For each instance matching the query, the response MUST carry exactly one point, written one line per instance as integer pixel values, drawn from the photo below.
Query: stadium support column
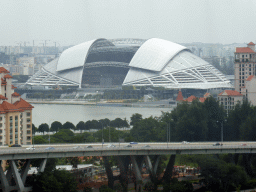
(168, 171)
(109, 172)
(16, 176)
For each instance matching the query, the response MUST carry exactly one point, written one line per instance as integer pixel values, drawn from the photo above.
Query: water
(47, 113)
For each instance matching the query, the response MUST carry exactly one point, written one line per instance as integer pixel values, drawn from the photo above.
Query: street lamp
(221, 135)
(102, 134)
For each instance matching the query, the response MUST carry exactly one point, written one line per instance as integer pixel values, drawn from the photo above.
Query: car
(50, 148)
(217, 144)
(244, 144)
(147, 146)
(185, 142)
(133, 143)
(128, 146)
(89, 146)
(77, 147)
(111, 146)
(15, 145)
(31, 148)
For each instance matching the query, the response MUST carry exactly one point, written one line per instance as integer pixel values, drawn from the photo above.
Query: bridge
(136, 154)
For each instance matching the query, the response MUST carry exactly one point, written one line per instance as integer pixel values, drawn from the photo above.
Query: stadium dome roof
(152, 62)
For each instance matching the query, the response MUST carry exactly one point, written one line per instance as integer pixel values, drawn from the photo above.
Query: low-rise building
(229, 98)
(249, 89)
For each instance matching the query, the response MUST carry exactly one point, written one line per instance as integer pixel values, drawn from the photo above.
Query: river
(47, 113)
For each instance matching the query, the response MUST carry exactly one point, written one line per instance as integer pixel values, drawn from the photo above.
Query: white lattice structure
(154, 62)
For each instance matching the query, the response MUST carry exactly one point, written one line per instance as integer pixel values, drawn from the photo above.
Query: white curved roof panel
(154, 54)
(74, 56)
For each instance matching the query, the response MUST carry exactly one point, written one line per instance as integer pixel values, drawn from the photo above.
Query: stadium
(129, 62)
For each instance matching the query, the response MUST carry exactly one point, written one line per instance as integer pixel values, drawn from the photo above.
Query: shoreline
(72, 102)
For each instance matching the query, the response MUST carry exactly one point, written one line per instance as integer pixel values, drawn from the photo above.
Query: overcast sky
(70, 22)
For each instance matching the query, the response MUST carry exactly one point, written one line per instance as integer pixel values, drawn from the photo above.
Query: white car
(111, 146)
(77, 147)
(185, 142)
(31, 148)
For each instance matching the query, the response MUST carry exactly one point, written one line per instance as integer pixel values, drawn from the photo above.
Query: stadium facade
(134, 62)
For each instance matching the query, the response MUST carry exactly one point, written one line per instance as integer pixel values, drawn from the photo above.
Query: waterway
(47, 113)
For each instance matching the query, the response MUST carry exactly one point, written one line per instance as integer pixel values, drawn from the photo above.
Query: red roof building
(13, 111)
(229, 98)
(179, 97)
(245, 61)
(191, 98)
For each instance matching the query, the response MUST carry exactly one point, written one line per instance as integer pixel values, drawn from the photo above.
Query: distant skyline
(72, 22)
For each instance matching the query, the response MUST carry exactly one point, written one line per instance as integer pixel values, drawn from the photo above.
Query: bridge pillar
(42, 165)
(109, 172)
(123, 162)
(247, 164)
(137, 172)
(168, 171)
(4, 182)
(152, 168)
(25, 169)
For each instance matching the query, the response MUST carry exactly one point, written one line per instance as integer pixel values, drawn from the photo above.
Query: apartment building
(245, 65)
(15, 114)
(229, 98)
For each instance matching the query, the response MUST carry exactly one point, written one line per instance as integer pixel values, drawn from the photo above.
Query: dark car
(217, 144)
(15, 145)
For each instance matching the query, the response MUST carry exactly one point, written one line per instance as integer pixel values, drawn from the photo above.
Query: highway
(97, 149)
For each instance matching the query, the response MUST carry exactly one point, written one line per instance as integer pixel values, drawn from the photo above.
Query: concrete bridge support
(19, 178)
(137, 172)
(109, 172)
(168, 171)
(123, 163)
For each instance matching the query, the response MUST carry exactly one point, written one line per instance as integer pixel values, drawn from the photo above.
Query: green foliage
(56, 126)
(87, 189)
(44, 127)
(80, 125)
(34, 129)
(149, 186)
(118, 122)
(68, 125)
(63, 136)
(105, 188)
(39, 140)
(135, 118)
(56, 181)
(183, 186)
(219, 175)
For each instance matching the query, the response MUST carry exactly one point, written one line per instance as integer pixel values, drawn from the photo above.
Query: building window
(16, 118)
(28, 138)
(10, 118)
(28, 132)
(28, 126)
(1, 118)
(28, 114)
(10, 124)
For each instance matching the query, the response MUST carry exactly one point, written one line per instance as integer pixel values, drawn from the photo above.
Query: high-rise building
(15, 114)
(245, 65)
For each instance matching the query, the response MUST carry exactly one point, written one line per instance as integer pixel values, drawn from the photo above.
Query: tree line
(91, 124)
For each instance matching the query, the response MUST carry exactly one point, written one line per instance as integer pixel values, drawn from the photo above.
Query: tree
(44, 127)
(56, 126)
(118, 122)
(34, 129)
(68, 125)
(39, 140)
(56, 181)
(135, 118)
(80, 125)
